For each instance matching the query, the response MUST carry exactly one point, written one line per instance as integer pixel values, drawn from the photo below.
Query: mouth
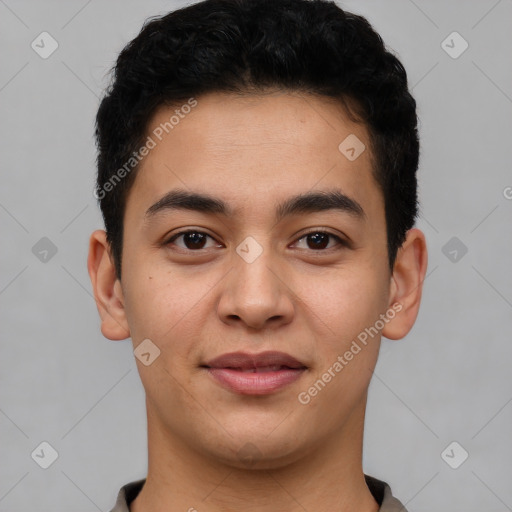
(255, 374)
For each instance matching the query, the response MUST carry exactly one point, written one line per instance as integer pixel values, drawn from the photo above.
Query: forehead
(255, 150)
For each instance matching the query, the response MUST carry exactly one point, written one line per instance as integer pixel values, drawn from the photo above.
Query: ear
(107, 288)
(407, 284)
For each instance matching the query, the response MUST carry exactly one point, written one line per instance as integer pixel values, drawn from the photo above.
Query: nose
(256, 294)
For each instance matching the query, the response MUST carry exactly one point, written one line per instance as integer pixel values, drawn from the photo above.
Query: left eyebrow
(309, 202)
(318, 201)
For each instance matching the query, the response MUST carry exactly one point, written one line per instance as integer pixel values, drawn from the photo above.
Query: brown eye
(319, 240)
(191, 240)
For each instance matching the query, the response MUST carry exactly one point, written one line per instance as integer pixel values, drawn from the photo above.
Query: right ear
(107, 289)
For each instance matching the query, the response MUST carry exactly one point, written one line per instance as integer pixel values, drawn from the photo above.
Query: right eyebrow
(183, 200)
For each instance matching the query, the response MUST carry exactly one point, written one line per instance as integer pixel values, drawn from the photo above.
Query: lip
(255, 374)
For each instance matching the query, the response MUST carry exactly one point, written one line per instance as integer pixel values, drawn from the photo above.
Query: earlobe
(407, 284)
(107, 288)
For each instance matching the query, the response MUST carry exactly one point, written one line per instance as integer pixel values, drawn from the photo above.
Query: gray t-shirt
(379, 489)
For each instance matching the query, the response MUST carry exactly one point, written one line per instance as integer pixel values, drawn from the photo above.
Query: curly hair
(244, 46)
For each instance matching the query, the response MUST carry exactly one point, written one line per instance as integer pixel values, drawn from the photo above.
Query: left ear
(407, 284)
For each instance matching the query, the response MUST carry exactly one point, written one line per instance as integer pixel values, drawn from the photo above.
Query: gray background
(63, 383)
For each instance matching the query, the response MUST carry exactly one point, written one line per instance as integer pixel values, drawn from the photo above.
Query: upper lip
(245, 361)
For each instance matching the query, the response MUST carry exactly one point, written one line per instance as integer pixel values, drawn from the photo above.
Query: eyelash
(340, 241)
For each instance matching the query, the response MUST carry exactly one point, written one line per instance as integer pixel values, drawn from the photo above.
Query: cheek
(163, 306)
(345, 354)
(343, 303)
(166, 309)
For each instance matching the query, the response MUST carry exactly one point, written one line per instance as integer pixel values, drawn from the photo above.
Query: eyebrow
(309, 202)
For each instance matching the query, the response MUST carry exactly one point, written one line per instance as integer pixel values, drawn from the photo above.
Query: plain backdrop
(64, 384)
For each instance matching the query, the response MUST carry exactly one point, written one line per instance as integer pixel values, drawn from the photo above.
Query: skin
(254, 152)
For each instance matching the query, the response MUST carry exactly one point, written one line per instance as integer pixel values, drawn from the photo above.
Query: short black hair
(244, 46)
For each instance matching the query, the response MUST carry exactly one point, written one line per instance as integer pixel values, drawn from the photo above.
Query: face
(253, 273)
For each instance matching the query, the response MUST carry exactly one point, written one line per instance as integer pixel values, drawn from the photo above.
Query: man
(257, 177)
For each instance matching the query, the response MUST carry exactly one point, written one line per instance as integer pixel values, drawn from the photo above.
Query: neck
(327, 477)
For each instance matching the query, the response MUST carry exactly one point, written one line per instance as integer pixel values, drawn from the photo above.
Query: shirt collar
(379, 489)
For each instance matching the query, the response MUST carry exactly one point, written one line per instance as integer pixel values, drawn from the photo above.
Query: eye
(319, 240)
(192, 240)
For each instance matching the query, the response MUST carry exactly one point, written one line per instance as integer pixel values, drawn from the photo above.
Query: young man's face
(254, 281)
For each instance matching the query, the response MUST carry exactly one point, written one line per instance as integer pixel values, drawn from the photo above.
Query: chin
(258, 451)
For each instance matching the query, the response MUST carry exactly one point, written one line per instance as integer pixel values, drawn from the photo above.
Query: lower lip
(262, 383)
